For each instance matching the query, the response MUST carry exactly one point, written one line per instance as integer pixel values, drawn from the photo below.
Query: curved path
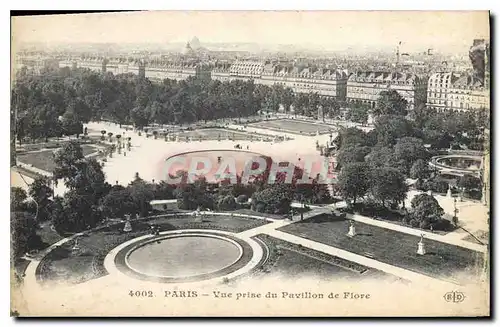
(435, 163)
(109, 261)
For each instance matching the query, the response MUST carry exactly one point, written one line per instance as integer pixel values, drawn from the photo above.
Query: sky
(333, 30)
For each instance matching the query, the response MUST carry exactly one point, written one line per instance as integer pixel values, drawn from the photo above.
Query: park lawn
(226, 223)
(45, 159)
(481, 235)
(395, 248)
(62, 264)
(259, 214)
(294, 126)
(293, 261)
(47, 235)
(392, 216)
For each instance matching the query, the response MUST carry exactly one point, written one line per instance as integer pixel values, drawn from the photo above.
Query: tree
(41, 192)
(388, 185)
(23, 237)
(66, 160)
(354, 181)
(74, 213)
(351, 136)
(141, 193)
(426, 210)
(275, 199)
(468, 183)
(287, 98)
(420, 170)
(18, 197)
(140, 117)
(118, 203)
(384, 156)
(71, 125)
(164, 191)
(89, 180)
(226, 203)
(391, 128)
(357, 114)
(351, 153)
(408, 150)
(390, 103)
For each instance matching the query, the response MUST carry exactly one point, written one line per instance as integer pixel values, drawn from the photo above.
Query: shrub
(474, 194)
(414, 223)
(436, 185)
(259, 206)
(226, 203)
(421, 185)
(243, 198)
(442, 224)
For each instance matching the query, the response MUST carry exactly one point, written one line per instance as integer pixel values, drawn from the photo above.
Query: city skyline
(332, 30)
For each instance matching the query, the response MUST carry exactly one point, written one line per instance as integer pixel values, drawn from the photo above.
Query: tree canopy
(390, 102)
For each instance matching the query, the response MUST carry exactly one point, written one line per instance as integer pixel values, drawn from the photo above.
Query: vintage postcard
(251, 163)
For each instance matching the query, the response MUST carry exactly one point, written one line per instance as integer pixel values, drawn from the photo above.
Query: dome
(188, 51)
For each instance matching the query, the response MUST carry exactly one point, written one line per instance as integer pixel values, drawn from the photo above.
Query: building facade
(155, 71)
(365, 87)
(301, 79)
(456, 92)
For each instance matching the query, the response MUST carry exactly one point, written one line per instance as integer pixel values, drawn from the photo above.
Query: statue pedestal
(128, 227)
(352, 231)
(76, 247)
(421, 248)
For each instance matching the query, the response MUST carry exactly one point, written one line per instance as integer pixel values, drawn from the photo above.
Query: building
(365, 87)
(153, 70)
(97, 64)
(177, 71)
(300, 78)
(36, 64)
(457, 92)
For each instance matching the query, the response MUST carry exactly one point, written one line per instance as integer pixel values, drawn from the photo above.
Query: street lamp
(455, 211)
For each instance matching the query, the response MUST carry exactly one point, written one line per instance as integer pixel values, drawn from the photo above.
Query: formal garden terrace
(299, 127)
(442, 260)
(181, 247)
(65, 264)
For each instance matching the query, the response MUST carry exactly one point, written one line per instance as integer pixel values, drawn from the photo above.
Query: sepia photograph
(250, 164)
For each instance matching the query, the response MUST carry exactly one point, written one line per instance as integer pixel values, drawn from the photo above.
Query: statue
(128, 227)
(421, 245)
(321, 115)
(352, 229)
(76, 246)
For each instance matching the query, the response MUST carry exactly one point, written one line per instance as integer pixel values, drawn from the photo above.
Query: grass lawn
(42, 159)
(294, 126)
(480, 235)
(394, 216)
(399, 249)
(87, 263)
(223, 134)
(295, 261)
(45, 159)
